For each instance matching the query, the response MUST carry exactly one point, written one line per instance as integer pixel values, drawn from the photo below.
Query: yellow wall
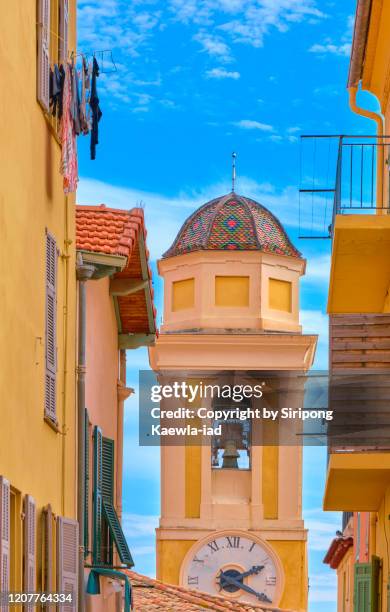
(170, 554)
(293, 557)
(232, 291)
(345, 574)
(33, 457)
(280, 294)
(183, 294)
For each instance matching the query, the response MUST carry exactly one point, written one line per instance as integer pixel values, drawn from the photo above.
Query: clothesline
(97, 52)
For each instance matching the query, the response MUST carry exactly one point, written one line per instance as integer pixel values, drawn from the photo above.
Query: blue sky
(195, 80)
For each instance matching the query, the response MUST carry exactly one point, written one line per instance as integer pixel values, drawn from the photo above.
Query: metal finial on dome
(234, 155)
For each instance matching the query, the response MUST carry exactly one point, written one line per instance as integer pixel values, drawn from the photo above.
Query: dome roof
(232, 223)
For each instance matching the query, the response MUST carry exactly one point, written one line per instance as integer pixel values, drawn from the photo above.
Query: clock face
(235, 565)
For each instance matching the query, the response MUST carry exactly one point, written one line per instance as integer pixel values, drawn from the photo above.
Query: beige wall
(199, 307)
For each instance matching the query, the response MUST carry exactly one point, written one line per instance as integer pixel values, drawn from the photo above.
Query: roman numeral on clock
(271, 580)
(196, 560)
(233, 541)
(213, 545)
(193, 580)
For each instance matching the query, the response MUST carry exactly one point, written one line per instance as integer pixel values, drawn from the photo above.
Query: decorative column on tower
(231, 517)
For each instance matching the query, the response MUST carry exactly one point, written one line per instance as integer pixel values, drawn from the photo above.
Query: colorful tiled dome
(232, 223)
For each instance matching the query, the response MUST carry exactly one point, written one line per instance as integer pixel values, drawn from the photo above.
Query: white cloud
(249, 124)
(318, 269)
(316, 322)
(221, 73)
(293, 130)
(342, 49)
(213, 45)
(138, 525)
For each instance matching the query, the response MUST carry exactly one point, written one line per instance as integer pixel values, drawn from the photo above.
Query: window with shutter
(63, 30)
(67, 560)
(51, 329)
(43, 59)
(366, 586)
(47, 566)
(4, 538)
(97, 496)
(29, 583)
(106, 517)
(86, 486)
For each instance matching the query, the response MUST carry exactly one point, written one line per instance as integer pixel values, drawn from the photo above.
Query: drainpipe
(84, 273)
(380, 166)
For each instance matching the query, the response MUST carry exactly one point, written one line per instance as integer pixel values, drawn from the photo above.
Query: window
(4, 535)
(29, 548)
(366, 585)
(280, 295)
(231, 450)
(67, 560)
(232, 291)
(48, 558)
(86, 485)
(51, 330)
(183, 294)
(107, 529)
(53, 35)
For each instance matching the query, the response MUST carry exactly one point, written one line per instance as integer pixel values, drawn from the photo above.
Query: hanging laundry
(68, 137)
(75, 102)
(85, 85)
(56, 83)
(96, 112)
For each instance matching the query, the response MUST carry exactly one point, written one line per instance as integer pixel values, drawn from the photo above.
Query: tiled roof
(150, 594)
(111, 231)
(232, 223)
(337, 551)
(108, 230)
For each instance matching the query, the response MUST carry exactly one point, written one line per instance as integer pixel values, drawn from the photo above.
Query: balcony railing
(339, 176)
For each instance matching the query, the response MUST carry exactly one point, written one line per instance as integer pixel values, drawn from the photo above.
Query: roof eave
(362, 20)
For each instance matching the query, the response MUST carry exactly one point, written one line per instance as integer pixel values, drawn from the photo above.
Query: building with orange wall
(119, 315)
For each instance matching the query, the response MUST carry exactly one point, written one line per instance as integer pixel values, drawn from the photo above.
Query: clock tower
(231, 515)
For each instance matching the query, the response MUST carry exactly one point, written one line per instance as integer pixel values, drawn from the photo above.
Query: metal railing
(339, 176)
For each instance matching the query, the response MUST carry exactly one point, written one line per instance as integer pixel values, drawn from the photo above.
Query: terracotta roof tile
(150, 594)
(108, 230)
(112, 231)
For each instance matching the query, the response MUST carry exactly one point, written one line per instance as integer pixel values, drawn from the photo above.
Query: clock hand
(256, 569)
(245, 587)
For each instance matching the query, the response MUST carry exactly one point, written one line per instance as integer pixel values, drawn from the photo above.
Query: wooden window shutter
(366, 586)
(86, 486)
(67, 560)
(108, 469)
(29, 584)
(97, 496)
(109, 512)
(64, 30)
(43, 60)
(51, 329)
(4, 538)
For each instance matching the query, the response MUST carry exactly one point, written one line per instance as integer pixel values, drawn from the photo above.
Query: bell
(230, 455)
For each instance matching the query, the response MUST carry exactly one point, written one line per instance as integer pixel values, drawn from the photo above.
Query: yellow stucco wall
(232, 291)
(33, 457)
(280, 294)
(183, 294)
(170, 554)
